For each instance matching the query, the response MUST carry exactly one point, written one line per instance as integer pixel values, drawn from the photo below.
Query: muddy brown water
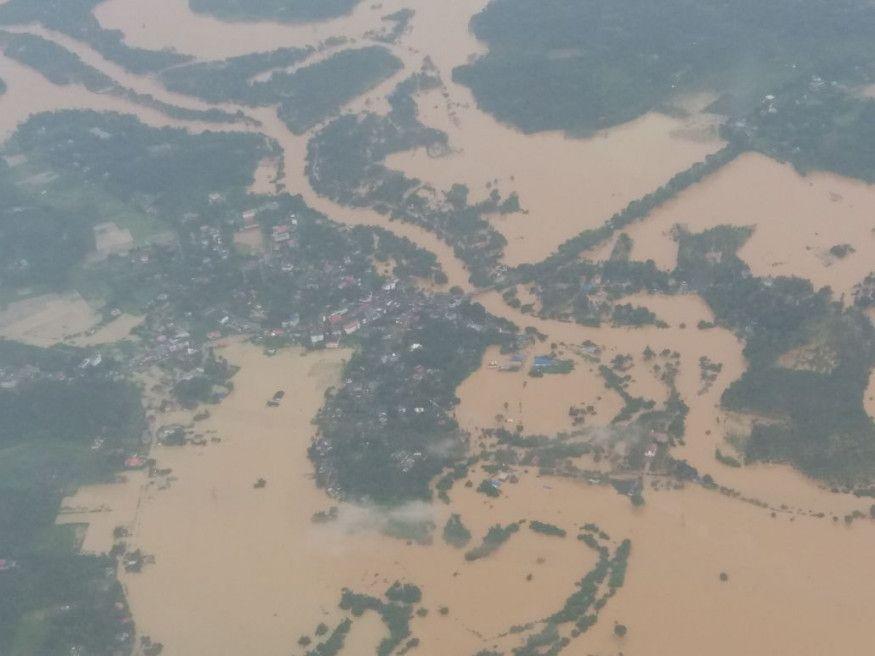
(248, 570)
(796, 220)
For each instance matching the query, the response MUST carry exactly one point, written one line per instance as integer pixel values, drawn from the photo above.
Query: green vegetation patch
(63, 67)
(346, 162)
(495, 537)
(455, 532)
(287, 11)
(311, 94)
(78, 168)
(396, 615)
(374, 442)
(61, 426)
(230, 80)
(75, 18)
(306, 95)
(547, 529)
(635, 315)
(813, 419)
(580, 66)
(814, 124)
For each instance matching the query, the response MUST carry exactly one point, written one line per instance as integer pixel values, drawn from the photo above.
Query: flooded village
(320, 422)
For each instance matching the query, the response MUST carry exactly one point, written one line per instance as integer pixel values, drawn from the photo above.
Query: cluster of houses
(399, 389)
(346, 321)
(12, 378)
(169, 347)
(513, 363)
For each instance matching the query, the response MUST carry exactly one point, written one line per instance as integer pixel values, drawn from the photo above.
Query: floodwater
(161, 24)
(565, 185)
(264, 179)
(707, 425)
(46, 320)
(115, 330)
(50, 319)
(246, 566)
(29, 93)
(796, 219)
(539, 405)
(247, 570)
(781, 596)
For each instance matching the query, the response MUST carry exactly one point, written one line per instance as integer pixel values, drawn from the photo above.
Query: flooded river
(248, 571)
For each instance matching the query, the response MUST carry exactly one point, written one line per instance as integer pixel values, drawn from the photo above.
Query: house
(134, 462)
(91, 362)
(351, 327)
(543, 361)
(280, 234)
(336, 317)
(249, 219)
(316, 339)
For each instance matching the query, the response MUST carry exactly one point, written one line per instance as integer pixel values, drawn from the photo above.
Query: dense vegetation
(580, 66)
(546, 528)
(137, 164)
(62, 67)
(306, 95)
(54, 599)
(75, 19)
(345, 161)
(80, 168)
(38, 244)
(815, 125)
(315, 92)
(293, 11)
(811, 417)
(495, 537)
(64, 423)
(230, 80)
(455, 532)
(390, 430)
